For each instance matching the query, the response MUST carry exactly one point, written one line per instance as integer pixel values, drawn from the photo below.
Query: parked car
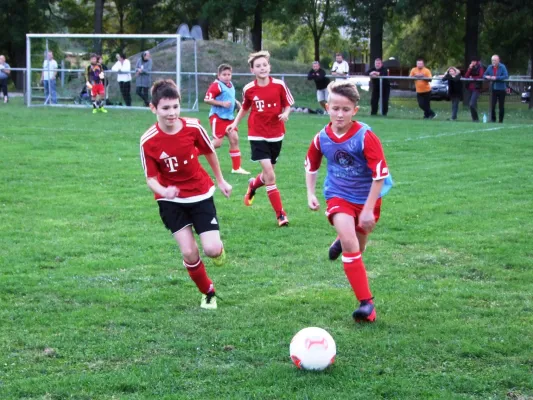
(439, 88)
(526, 95)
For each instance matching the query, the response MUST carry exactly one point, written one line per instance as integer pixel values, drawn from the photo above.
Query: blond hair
(346, 89)
(260, 54)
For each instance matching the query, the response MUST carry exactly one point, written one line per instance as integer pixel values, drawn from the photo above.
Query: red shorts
(97, 89)
(219, 125)
(337, 205)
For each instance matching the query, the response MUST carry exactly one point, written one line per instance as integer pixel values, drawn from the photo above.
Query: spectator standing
(374, 72)
(48, 78)
(143, 79)
(123, 69)
(497, 73)
(318, 75)
(340, 68)
(455, 89)
(423, 88)
(475, 71)
(5, 70)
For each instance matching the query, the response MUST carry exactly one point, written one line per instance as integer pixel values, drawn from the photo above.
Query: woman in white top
(123, 67)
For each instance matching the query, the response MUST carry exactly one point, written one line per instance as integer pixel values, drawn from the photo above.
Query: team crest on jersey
(344, 159)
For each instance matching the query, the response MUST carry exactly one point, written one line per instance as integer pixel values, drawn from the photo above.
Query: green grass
(96, 305)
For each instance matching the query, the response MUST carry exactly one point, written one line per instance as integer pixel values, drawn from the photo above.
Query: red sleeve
(213, 91)
(314, 156)
(150, 165)
(246, 102)
(374, 156)
(202, 141)
(286, 96)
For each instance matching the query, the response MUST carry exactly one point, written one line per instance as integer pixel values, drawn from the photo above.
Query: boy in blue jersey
(221, 96)
(357, 177)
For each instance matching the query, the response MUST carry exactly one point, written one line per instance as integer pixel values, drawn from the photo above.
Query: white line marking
(438, 135)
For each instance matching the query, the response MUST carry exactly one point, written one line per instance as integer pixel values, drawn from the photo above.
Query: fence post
(380, 95)
(490, 104)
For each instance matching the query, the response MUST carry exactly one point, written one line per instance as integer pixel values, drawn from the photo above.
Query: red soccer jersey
(173, 160)
(267, 103)
(372, 151)
(213, 91)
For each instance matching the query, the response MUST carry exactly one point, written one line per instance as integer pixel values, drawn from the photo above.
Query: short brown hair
(260, 54)
(164, 89)
(223, 67)
(346, 89)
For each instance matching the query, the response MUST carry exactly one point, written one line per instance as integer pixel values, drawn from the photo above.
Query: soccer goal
(56, 66)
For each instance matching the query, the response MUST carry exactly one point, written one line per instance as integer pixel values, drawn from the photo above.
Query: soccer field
(95, 303)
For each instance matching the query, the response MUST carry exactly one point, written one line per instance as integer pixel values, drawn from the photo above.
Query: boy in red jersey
(270, 101)
(94, 76)
(221, 96)
(182, 188)
(357, 177)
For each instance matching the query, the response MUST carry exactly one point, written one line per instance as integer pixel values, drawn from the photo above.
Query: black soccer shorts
(201, 215)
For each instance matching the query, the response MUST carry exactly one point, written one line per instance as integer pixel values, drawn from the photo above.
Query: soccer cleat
(335, 250)
(220, 259)
(240, 171)
(95, 110)
(365, 313)
(102, 109)
(209, 301)
(250, 193)
(283, 220)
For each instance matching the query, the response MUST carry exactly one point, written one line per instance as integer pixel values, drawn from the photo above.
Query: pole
(28, 71)
(196, 106)
(49, 76)
(380, 95)
(178, 61)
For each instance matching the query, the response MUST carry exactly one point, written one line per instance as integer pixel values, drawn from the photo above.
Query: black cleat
(365, 313)
(335, 250)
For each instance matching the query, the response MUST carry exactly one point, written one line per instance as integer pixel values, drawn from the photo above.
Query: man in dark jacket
(475, 71)
(379, 70)
(318, 75)
(455, 89)
(497, 73)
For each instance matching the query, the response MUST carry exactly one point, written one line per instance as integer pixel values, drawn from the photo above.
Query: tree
(18, 18)
(316, 17)
(98, 23)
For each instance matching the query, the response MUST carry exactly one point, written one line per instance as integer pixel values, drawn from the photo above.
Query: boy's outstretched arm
(238, 118)
(169, 192)
(366, 218)
(310, 183)
(224, 186)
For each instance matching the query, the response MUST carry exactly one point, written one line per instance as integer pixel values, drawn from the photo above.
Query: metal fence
(193, 86)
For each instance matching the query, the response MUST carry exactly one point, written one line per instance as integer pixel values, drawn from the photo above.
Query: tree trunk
(257, 29)
(316, 39)
(473, 13)
(204, 24)
(377, 19)
(531, 74)
(98, 23)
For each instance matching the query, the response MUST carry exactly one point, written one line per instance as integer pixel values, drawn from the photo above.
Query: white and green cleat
(209, 301)
(221, 259)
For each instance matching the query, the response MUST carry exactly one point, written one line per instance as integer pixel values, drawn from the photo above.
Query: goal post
(73, 52)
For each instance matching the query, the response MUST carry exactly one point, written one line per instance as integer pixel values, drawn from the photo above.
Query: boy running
(270, 101)
(94, 77)
(221, 96)
(183, 189)
(357, 177)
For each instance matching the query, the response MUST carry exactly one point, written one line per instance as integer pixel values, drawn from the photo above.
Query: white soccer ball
(313, 349)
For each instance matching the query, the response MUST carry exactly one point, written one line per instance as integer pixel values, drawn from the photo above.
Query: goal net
(56, 66)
